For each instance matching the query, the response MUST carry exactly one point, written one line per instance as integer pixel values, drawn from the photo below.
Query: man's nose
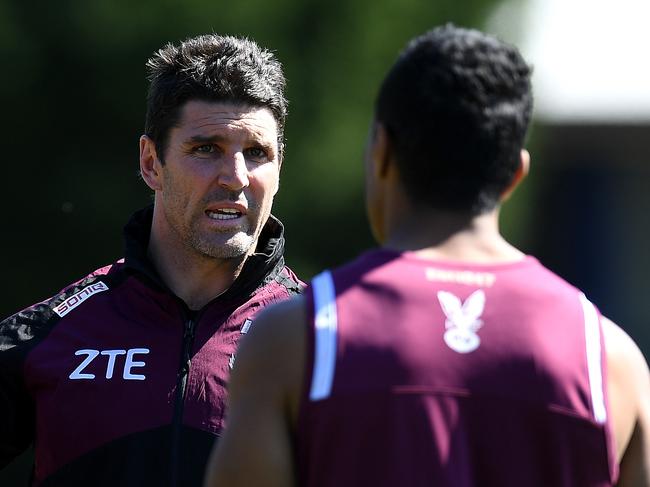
(233, 173)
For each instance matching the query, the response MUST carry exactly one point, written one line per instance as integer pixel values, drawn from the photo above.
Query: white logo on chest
(127, 368)
(462, 320)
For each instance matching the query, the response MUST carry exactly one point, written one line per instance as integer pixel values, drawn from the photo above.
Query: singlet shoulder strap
(325, 327)
(594, 359)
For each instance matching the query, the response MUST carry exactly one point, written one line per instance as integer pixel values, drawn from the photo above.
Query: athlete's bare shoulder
(628, 383)
(285, 317)
(277, 334)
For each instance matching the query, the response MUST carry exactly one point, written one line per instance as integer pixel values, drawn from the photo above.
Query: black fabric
(138, 460)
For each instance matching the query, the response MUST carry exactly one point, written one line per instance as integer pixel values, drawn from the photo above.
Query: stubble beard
(237, 246)
(222, 245)
(227, 245)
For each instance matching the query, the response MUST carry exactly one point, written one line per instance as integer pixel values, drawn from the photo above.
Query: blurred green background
(73, 98)
(72, 94)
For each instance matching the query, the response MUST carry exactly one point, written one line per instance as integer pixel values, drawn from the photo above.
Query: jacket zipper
(179, 400)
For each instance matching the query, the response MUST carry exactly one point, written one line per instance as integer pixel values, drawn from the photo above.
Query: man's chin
(237, 247)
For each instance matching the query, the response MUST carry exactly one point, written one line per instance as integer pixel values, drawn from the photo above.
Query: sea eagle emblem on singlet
(462, 320)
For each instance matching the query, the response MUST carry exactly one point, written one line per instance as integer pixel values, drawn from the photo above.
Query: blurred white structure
(591, 57)
(588, 217)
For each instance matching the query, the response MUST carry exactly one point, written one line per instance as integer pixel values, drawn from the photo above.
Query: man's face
(220, 173)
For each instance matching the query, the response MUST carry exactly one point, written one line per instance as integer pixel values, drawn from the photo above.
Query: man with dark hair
(446, 357)
(120, 379)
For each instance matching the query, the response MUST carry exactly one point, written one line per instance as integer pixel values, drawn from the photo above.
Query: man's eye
(205, 149)
(256, 152)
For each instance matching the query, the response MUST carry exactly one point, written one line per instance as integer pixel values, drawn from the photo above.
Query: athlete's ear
(520, 174)
(150, 164)
(381, 150)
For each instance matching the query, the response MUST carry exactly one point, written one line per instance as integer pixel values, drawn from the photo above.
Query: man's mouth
(224, 214)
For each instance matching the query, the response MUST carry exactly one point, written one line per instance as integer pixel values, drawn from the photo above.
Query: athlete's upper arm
(264, 391)
(629, 398)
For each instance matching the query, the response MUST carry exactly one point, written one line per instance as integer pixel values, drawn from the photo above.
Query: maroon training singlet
(429, 373)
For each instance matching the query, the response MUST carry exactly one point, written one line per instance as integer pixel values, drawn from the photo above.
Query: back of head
(456, 106)
(212, 68)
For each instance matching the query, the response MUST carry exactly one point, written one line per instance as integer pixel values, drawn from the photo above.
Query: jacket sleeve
(16, 404)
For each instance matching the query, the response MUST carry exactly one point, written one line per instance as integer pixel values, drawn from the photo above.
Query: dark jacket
(116, 381)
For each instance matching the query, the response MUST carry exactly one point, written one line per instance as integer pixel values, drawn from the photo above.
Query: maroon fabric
(117, 381)
(407, 409)
(73, 417)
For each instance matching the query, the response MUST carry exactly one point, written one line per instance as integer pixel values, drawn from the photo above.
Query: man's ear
(520, 174)
(150, 164)
(381, 151)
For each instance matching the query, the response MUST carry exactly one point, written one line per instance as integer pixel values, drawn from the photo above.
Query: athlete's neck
(455, 236)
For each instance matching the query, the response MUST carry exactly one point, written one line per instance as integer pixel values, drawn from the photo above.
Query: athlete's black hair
(456, 105)
(211, 68)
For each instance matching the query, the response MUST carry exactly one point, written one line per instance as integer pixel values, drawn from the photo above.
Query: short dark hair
(456, 105)
(211, 68)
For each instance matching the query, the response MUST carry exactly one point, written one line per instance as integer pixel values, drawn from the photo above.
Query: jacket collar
(260, 268)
